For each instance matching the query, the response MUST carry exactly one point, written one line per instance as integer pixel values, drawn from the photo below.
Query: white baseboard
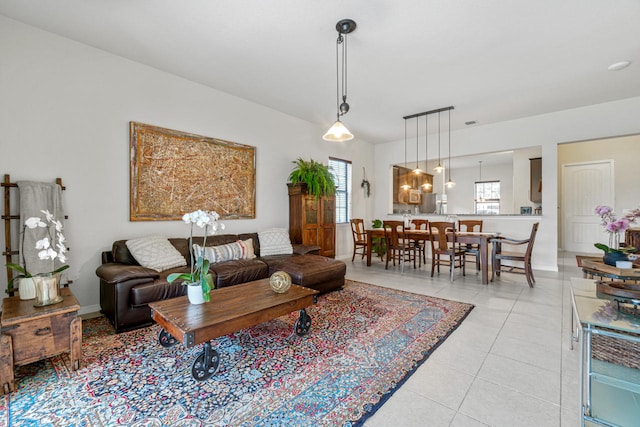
(95, 308)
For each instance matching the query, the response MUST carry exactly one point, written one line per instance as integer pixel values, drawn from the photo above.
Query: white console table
(610, 393)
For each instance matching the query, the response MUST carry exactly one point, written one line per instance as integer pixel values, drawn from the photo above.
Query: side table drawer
(37, 339)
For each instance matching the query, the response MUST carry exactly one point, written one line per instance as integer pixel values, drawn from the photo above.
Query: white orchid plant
(200, 268)
(50, 247)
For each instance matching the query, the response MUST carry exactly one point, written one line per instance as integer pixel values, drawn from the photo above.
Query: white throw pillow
(155, 252)
(275, 241)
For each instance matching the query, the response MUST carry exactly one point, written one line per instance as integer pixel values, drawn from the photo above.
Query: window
(487, 197)
(341, 170)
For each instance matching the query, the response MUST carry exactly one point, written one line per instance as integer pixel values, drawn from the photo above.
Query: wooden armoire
(312, 221)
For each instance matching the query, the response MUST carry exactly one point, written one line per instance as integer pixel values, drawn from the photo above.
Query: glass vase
(614, 240)
(47, 289)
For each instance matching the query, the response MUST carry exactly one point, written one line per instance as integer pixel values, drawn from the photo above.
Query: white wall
(547, 130)
(65, 110)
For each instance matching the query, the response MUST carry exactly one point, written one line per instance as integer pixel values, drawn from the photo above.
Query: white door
(585, 186)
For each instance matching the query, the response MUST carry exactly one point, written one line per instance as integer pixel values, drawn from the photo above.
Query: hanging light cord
(439, 158)
(417, 143)
(449, 145)
(338, 75)
(405, 143)
(344, 69)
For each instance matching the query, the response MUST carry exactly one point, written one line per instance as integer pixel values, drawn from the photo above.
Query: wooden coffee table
(231, 309)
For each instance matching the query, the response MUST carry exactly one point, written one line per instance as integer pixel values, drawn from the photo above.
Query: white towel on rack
(34, 198)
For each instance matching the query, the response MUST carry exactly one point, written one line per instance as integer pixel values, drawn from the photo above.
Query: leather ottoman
(311, 271)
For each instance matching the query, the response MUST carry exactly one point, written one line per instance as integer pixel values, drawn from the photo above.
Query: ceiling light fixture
(406, 185)
(450, 183)
(479, 197)
(426, 184)
(439, 168)
(417, 170)
(619, 65)
(338, 132)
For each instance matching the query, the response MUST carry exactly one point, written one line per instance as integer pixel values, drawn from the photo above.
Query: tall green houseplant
(317, 176)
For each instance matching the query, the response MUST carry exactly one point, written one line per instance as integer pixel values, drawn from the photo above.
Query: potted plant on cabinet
(315, 175)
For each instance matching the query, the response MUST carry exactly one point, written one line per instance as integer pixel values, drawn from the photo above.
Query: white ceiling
(493, 60)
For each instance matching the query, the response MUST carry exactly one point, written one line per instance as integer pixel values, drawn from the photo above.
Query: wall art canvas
(173, 172)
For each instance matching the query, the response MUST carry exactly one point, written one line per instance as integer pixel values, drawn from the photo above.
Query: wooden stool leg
(6, 364)
(76, 343)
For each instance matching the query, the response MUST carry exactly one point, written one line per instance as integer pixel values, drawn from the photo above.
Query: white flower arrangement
(200, 268)
(51, 247)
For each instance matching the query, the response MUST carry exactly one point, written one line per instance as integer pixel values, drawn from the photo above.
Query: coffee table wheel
(206, 364)
(165, 339)
(303, 324)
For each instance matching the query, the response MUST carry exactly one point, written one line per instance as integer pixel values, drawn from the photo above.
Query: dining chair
(471, 249)
(421, 245)
(498, 255)
(359, 237)
(443, 251)
(398, 248)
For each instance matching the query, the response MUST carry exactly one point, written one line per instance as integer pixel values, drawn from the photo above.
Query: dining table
(467, 237)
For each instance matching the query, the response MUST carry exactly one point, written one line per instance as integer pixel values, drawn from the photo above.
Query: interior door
(585, 186)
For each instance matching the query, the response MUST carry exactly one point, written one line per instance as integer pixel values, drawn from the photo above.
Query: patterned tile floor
(509, 363)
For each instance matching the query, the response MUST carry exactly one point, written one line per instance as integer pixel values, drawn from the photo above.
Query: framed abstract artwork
(173, 172)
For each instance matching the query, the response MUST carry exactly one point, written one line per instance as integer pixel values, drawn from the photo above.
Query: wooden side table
(596, 269)
(33, 333)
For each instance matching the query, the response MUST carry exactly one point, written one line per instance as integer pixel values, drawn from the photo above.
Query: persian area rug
(364, 342)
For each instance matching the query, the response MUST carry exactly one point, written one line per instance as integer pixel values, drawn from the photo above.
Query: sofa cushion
(248, 252)
(275, 241)
(160, 289)
(238, 271)
(220, 253)
(155, 252)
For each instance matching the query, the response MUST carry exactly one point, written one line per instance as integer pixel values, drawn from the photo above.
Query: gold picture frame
(414, 197)
(174, 172)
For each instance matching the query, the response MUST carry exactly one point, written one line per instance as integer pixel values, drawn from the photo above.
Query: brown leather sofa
(126, 288)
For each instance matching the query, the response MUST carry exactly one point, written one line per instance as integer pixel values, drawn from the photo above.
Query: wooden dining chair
(398, 248)
(471, 249)
(498, 255)
(443, 251)
(421, 245)
(359, 237)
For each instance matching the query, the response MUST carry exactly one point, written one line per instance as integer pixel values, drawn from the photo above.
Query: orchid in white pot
(199, 265)
(50, 247)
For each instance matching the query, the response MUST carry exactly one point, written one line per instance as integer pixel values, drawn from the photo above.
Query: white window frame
(341, 170)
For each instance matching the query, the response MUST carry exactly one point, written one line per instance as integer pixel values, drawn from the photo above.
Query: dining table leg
(369, 247)
(484, 261)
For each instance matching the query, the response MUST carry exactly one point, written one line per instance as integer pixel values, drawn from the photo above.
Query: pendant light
(406, 185)
(480, 198)
(426, 184)
(417, 170)
(450, 183)
(439, 168)
(338, 132)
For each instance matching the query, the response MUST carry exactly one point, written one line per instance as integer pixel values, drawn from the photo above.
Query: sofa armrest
(300, 249)
(114, 272)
